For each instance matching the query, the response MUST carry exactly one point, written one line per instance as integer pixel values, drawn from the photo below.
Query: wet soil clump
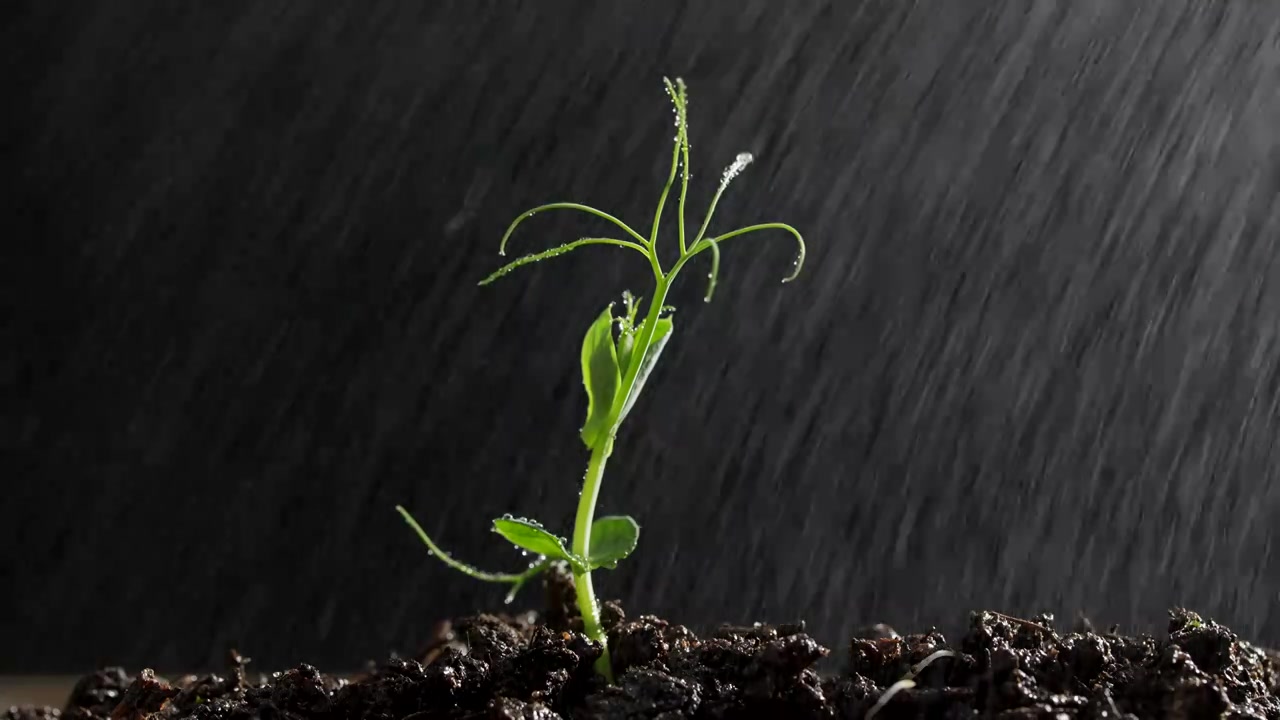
(531, 667)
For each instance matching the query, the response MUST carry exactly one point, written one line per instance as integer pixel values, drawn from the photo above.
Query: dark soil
(513, 667)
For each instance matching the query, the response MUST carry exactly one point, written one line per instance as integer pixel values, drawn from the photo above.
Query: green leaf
(531, 536)
(612, 539)
(661, 334)
(601, 378)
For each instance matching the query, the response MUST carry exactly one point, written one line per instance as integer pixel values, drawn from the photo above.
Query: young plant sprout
(614, 369)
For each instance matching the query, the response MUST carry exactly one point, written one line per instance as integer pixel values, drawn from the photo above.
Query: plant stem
(583, 588)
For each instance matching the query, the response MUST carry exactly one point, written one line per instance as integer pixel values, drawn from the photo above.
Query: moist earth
(530, 667)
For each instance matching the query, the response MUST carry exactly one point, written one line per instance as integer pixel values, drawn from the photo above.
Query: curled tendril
(502, 246)
(797, 264)
(715, 270)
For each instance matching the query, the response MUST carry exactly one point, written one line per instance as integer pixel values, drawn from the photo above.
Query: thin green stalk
(671, 177)
(583, 588)
(515, 580)
(683, 143)
(449, 560)
(662, 200)
(706, 220)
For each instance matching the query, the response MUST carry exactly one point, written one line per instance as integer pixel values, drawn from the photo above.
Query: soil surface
(534, 667)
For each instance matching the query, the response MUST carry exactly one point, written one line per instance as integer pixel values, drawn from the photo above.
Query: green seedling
(907, 682)
(619, 353)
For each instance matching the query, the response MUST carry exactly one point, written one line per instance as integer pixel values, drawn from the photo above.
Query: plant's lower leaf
(612, 539)
(529, 535)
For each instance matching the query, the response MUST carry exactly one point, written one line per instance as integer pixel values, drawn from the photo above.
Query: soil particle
(644, 693)
(97, 694)
(511, 709)
(513, 667)
(144, 697)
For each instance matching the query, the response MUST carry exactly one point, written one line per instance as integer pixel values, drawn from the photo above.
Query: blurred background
(1031, 364)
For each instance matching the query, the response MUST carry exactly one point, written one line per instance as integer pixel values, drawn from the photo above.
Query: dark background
(1031, 364)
